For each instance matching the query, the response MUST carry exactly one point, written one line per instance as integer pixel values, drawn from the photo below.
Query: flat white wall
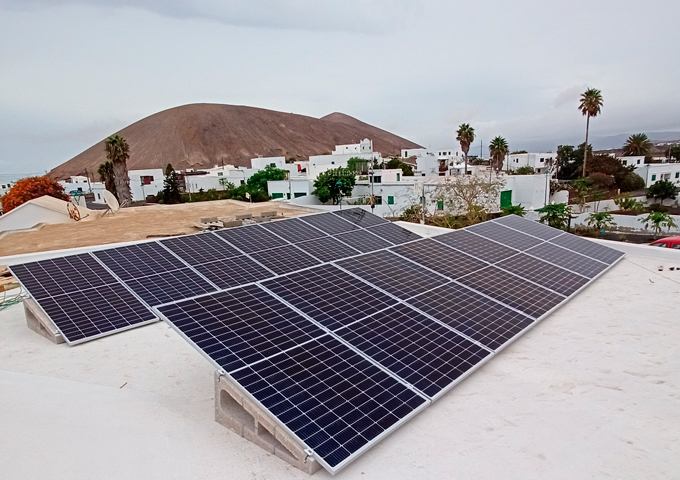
(140, 192)
(261, 163)
(528, 190)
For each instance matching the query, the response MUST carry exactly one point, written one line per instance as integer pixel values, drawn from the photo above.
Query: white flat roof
(591, 392)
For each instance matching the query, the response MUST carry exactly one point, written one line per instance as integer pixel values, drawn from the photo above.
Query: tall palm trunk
(585, 147)
(465, 152)
(122, 181)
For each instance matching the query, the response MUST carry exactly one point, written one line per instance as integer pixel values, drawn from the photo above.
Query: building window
(405, 154)
(299, 194)
(390, 200)
(378, 200)
(219, 174)
(625, 162)
(653, 177)
(272, 165)
(398, 177)
(440, 204)
(243, 182)
(147, 179)
(677, 174)
(638, 162)
(542, 160)
(277, 195)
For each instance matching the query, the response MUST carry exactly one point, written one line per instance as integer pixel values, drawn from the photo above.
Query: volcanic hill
(204, 135)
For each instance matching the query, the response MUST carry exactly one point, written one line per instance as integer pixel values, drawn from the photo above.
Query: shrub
(657, 207)
(29, 188)
(601, 220)
(513, 210)
(628, 204)
(601, 180)
(631, 181)
(526, 170)
(555, 215)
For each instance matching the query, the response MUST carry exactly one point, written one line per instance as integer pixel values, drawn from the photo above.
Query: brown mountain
(203, 135)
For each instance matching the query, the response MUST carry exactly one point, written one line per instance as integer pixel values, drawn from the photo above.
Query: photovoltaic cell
(393, 274)
(327, 249)
(417, 349)
(361, 217)
(234, 271)
(140, 260)
(253, 238)
(94, 312)
(294, 230)
(529, 227)
(394, 233)
(472, 314)
(567, 259)
(330, 397)
(286, 259)
(241, 326)
(440, 258)
(329, 223)
(588, 248)
(363, 241)
(545, 274)
(476, 246)
(48, 278)
(169, 286)
(512, 290)
(505, 236)
(328, 295)
(200, 248)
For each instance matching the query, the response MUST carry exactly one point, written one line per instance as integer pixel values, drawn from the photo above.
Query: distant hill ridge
(203, 135)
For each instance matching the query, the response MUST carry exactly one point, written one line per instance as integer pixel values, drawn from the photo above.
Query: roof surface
(591, 392)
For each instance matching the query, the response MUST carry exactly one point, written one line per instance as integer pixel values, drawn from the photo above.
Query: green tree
(637, 144)
(498, 148)
(358, 165)
(581, 187)
(334, 184)
(513, 210)
(171, 192)
(555, 215)
(569, 161)
(601, 220)
(525, 170)
(659, 220)
(590, 106)
(105, 172)
(118, 153)
(466, 136)
(406, 169)
(673, 153)
(257, 183)
(628, 204)
(661, 190)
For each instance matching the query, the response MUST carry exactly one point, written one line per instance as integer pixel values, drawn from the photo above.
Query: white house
(440, 162)
(653, 172)
(537, 161)
(145, 182)
(364, 146)
(5, 187)
(635, 161)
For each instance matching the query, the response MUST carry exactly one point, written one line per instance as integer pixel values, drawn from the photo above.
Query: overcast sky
(74, 71)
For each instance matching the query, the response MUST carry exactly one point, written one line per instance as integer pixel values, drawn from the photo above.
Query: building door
(506, 198)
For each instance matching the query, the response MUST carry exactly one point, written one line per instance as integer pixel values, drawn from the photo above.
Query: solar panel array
(342, 325)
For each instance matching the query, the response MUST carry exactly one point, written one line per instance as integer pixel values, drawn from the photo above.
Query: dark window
(147, 179)
(378, 200)
(390, 200)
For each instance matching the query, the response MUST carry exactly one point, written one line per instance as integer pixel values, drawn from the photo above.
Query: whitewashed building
(538, 161)
(653, 172)
(637, 161)
(440, 162)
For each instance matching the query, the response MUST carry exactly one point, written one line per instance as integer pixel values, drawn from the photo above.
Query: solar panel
(588, 248)
(440, 258)
(293, 229)
(393, 274)
(286, 259)
(48, 278)
(567, 259)
(476, 246)
(140, 260)
(504, 235)
(234, 271)
(361, 217)
(363, 240)
(329, 223)
(200, 248)
(393, 233)
(81, 297)
(487, 321)
(169, 286)
(239, 327)
(331, 398)
(328, 295)
(92, 313)
(529, 227)
(419, 350)
(327, 249)
(253, 238)
(549, 276)
(513, 291)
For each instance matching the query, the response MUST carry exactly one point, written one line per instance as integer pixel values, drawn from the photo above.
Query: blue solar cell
(200, 248)
(140, 260)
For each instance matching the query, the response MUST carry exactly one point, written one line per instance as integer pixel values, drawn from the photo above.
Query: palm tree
(106, 175)
(118, 152)
(637, 144)
(498, 148)
(590, 106)
(465, 135)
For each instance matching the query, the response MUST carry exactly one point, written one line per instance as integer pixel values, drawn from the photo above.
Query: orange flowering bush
(30, 188)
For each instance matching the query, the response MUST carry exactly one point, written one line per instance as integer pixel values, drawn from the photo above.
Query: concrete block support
(239, 414)
(40, 323)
